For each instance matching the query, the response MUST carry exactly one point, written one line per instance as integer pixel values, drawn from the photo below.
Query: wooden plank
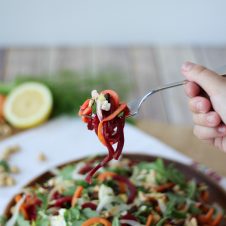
(213, 58)
(146, 76)
(27, 61)
(2, 63)
(169, 61)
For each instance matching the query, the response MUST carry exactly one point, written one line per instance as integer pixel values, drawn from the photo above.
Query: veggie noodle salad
(104, 114)
(124, 193)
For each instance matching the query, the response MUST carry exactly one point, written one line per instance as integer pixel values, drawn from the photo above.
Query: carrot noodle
(76, 195)
(207, 217)
(149, 220)
(96, 220)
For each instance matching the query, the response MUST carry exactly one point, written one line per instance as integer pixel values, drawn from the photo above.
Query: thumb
(208, 80)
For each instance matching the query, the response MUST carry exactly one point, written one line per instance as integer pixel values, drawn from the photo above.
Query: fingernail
(210, 118)
(187, 66)
(221, 129)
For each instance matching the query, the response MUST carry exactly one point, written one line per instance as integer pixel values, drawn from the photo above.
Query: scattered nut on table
(9, 151)
(42, 157)
(6, 171)
(5, 130)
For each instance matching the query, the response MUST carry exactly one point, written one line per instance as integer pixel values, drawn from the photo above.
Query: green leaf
(66, 172)
(22, 222)
(194, 210)
(83, 183)
(116, 222)
(191, 189)
(72, 215)
(42, 222)
(119, 170)
(5, 165)
(88, 213)
(70, 191)
(44, 199)
(175, 176)
(178, 199)
(171, 211)
(161, 222)
(77, 223)
(2, 220)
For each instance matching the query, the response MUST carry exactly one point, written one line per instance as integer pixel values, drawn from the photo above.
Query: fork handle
(174, 84)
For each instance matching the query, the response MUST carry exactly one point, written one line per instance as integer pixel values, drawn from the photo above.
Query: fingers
(192, 89)
(199, 104)
(210, 119)
(210, 81)
(205, 133)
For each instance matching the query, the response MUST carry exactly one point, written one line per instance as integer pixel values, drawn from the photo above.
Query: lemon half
(28, 105)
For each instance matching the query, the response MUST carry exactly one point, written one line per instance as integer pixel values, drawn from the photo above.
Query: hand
(207, 92)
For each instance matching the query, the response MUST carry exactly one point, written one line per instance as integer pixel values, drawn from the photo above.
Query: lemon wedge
(28, 105)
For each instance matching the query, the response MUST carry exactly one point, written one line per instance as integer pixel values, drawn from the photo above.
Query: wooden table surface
(182, 139)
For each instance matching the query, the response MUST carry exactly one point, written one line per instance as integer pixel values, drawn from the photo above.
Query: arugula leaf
(2, 220)
(175, 176)
(83, 183)
(171, 211)
(116, 222)
(41, 221)
(66, 172)
(191, 189)
(164, 174)
(21, 221)
(5, 165)
(161, 222)
(88, 213)
(70, 191)
(120, 171)
(72, 215)
(178, 199)
(194, 210)
(44, 199)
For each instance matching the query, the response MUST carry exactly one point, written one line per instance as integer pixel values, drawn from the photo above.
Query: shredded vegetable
(74, 202)
(104, 114)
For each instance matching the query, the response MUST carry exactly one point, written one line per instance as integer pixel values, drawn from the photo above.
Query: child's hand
(207, 92)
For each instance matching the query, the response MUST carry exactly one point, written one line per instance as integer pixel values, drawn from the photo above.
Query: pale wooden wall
(146, 66)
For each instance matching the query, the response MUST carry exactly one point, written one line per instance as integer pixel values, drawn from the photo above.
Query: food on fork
(105, 114)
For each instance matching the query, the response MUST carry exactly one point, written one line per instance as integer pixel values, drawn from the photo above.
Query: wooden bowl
(217, 194)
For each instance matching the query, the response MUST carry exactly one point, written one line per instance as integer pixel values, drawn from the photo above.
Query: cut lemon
(28, 105)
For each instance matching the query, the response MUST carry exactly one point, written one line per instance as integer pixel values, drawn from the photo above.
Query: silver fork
(135, 105)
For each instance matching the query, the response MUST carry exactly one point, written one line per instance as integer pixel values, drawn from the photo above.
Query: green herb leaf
(5, 165)
(66, 172)
(161, 222)
(88, 213)
(41, 221)
(2, 220)
(191, 189)
(22, 222)
(116, 222)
